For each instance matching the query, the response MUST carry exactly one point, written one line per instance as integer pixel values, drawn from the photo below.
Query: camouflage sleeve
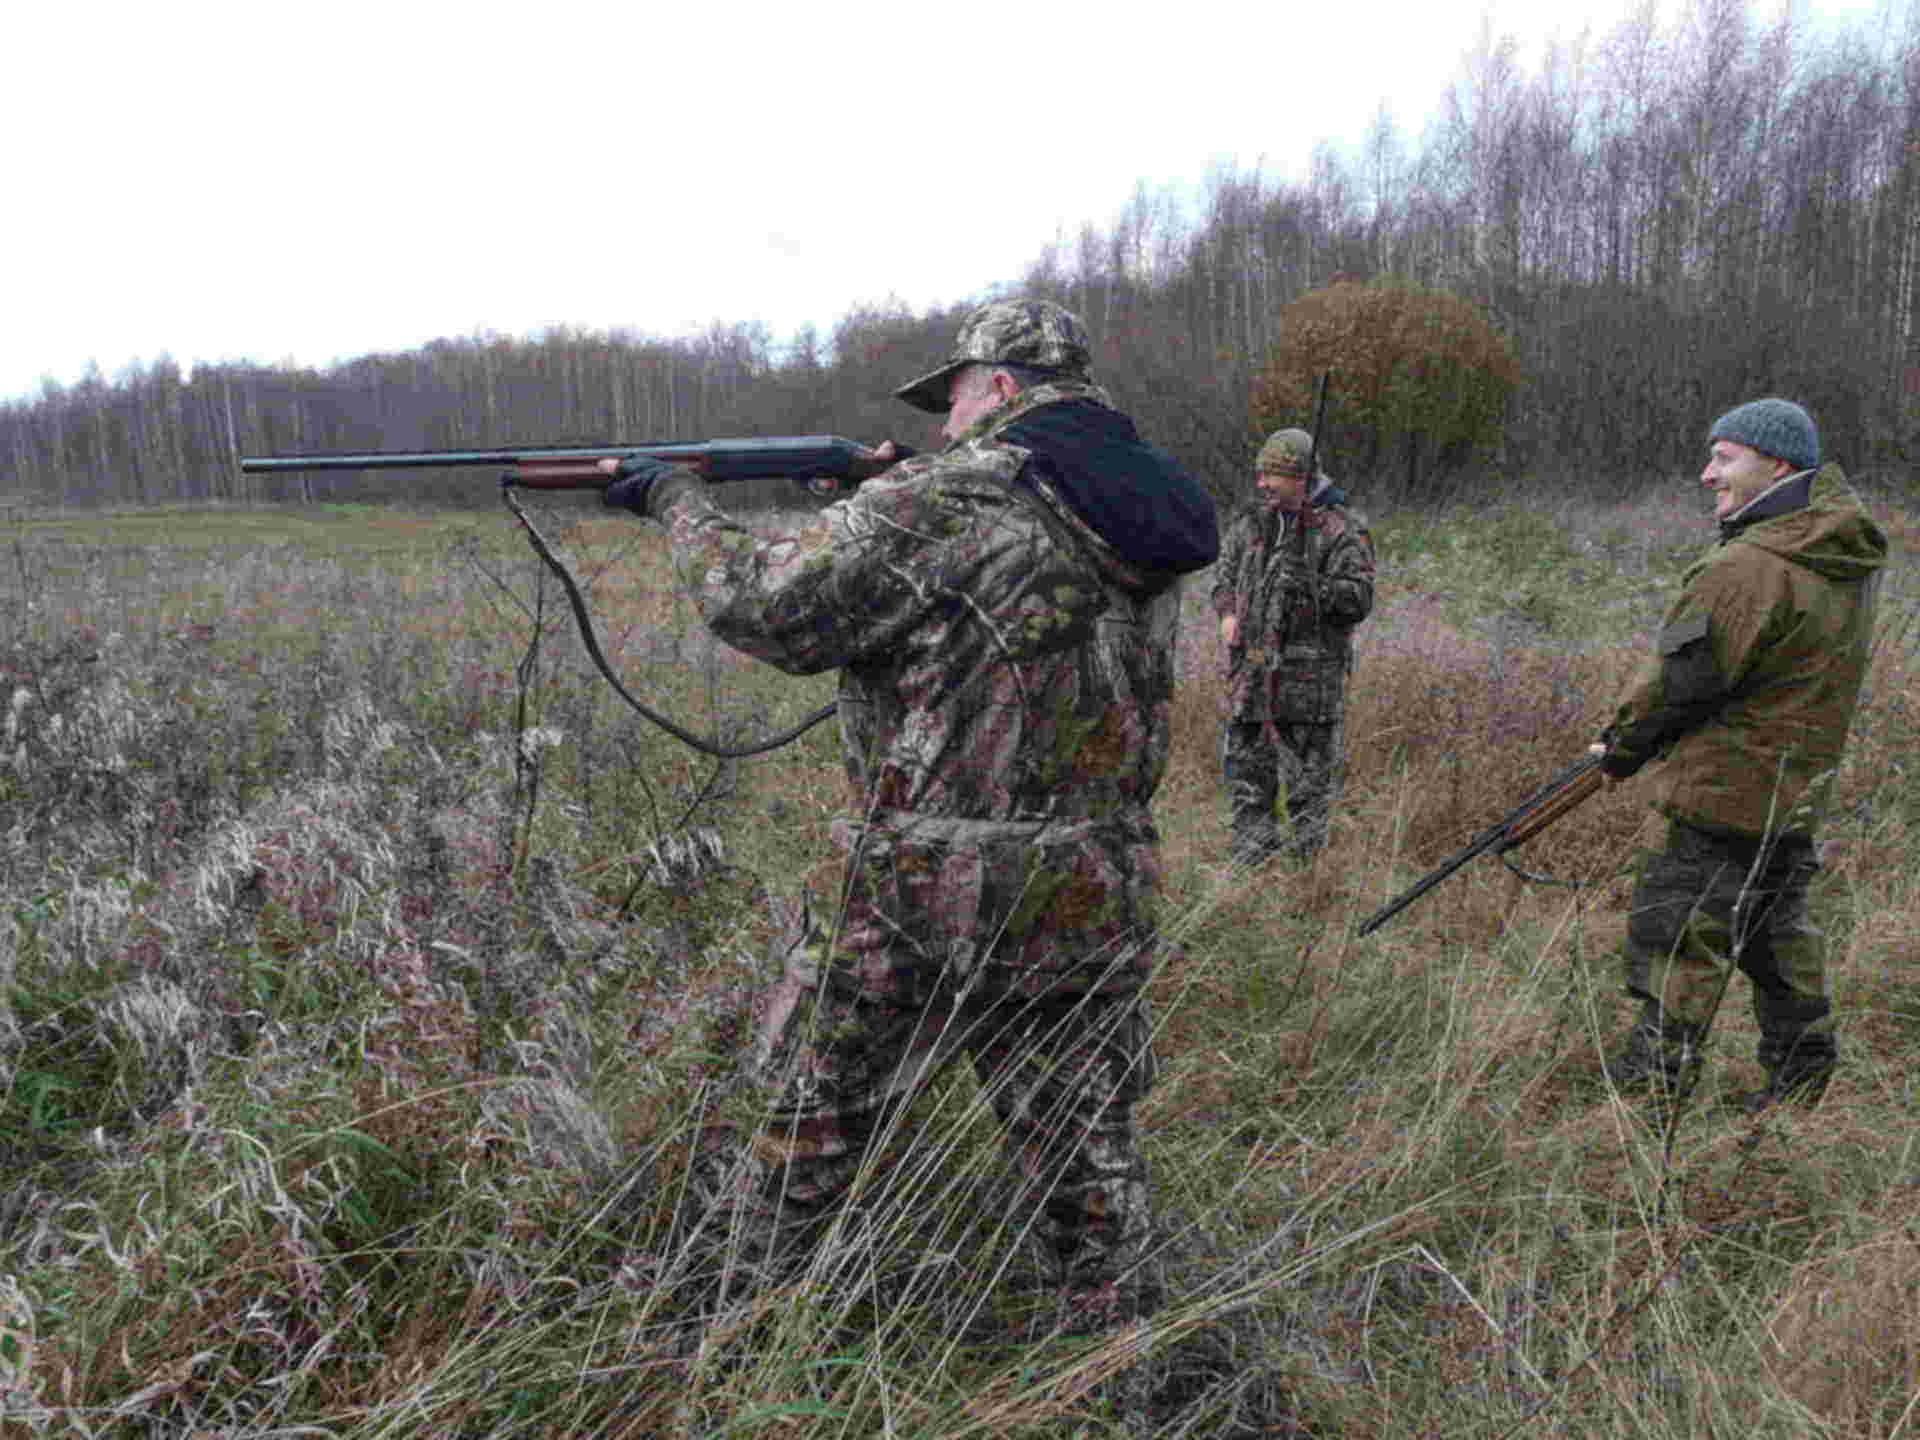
(1346, 590)
(1227, 569)
(846, 583)
(1711, 639)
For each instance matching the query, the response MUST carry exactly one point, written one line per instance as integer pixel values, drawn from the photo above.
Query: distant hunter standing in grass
(1294, 579)
(1003, 617)
(1748, 698)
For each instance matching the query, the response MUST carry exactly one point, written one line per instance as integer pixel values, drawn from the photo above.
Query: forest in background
(1662, 220)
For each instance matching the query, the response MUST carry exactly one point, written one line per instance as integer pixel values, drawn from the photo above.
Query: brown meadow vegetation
(367, 969)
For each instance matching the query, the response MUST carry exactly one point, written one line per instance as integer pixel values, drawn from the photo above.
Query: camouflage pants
(1695, 915)
(1309, 759)
(843, 1058)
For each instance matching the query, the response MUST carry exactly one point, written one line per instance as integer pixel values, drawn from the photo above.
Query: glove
(1615, 764)
(633, 482)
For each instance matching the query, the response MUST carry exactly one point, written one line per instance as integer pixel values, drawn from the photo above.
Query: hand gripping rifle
(1519, 825)
(826, 464)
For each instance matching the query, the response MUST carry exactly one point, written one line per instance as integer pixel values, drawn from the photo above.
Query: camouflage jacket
(1297, 593)
(1757, 670)
(1005, 682)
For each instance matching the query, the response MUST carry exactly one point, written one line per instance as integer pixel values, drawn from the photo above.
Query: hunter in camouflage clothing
(1747, 700)
(1002, 616)
(1294, 579)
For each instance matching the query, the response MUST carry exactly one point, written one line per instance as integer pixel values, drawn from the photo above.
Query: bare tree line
(1664, 219)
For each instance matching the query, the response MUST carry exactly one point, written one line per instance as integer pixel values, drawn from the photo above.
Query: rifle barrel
(451, 459)
(1425, 883)
(1319, 424)
(752, 458)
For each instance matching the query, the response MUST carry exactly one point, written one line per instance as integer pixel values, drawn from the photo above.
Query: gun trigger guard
(506, 479)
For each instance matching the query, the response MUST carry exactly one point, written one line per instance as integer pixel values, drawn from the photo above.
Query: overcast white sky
(275, 181)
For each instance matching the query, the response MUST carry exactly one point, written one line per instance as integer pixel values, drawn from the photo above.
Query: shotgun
(1519, 825)
(826, 464)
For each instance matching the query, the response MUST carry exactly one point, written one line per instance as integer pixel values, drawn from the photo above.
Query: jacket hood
(1133, 496)
(1816, 520)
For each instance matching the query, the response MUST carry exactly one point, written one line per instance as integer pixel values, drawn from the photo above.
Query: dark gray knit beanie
(1774, 427)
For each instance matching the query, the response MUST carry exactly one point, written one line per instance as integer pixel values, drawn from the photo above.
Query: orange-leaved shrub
(1418, 380)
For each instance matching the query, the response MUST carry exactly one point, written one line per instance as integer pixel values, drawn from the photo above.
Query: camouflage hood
(1135, 497)
(1812, 519)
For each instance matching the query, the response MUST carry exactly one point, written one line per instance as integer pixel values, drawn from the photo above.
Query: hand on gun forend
(634, 477)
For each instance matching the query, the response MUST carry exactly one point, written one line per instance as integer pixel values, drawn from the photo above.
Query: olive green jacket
(1757, 668)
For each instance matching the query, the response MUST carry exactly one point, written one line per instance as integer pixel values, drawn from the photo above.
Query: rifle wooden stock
(1576, 792)
(1550, 802)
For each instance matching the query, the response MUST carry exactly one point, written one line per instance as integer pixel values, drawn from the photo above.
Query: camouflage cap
(1287, 452)
(1034, 333)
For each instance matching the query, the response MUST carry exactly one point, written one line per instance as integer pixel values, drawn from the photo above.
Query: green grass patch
(369, 971)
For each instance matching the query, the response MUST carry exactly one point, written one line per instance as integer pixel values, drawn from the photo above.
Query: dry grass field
(367, 968)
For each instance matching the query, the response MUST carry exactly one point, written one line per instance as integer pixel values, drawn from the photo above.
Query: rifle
(1519, 825)
(825, 463)
(1308, 561)
(1319, 424)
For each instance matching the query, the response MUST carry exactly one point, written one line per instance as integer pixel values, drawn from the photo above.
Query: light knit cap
(1774, 427)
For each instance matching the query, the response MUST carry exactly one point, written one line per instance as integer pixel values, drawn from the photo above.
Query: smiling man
(1747, 700)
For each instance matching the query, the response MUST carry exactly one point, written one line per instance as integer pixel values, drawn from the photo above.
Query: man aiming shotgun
(1002, 615)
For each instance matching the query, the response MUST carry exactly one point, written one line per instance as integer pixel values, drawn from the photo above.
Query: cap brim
(929, 392)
